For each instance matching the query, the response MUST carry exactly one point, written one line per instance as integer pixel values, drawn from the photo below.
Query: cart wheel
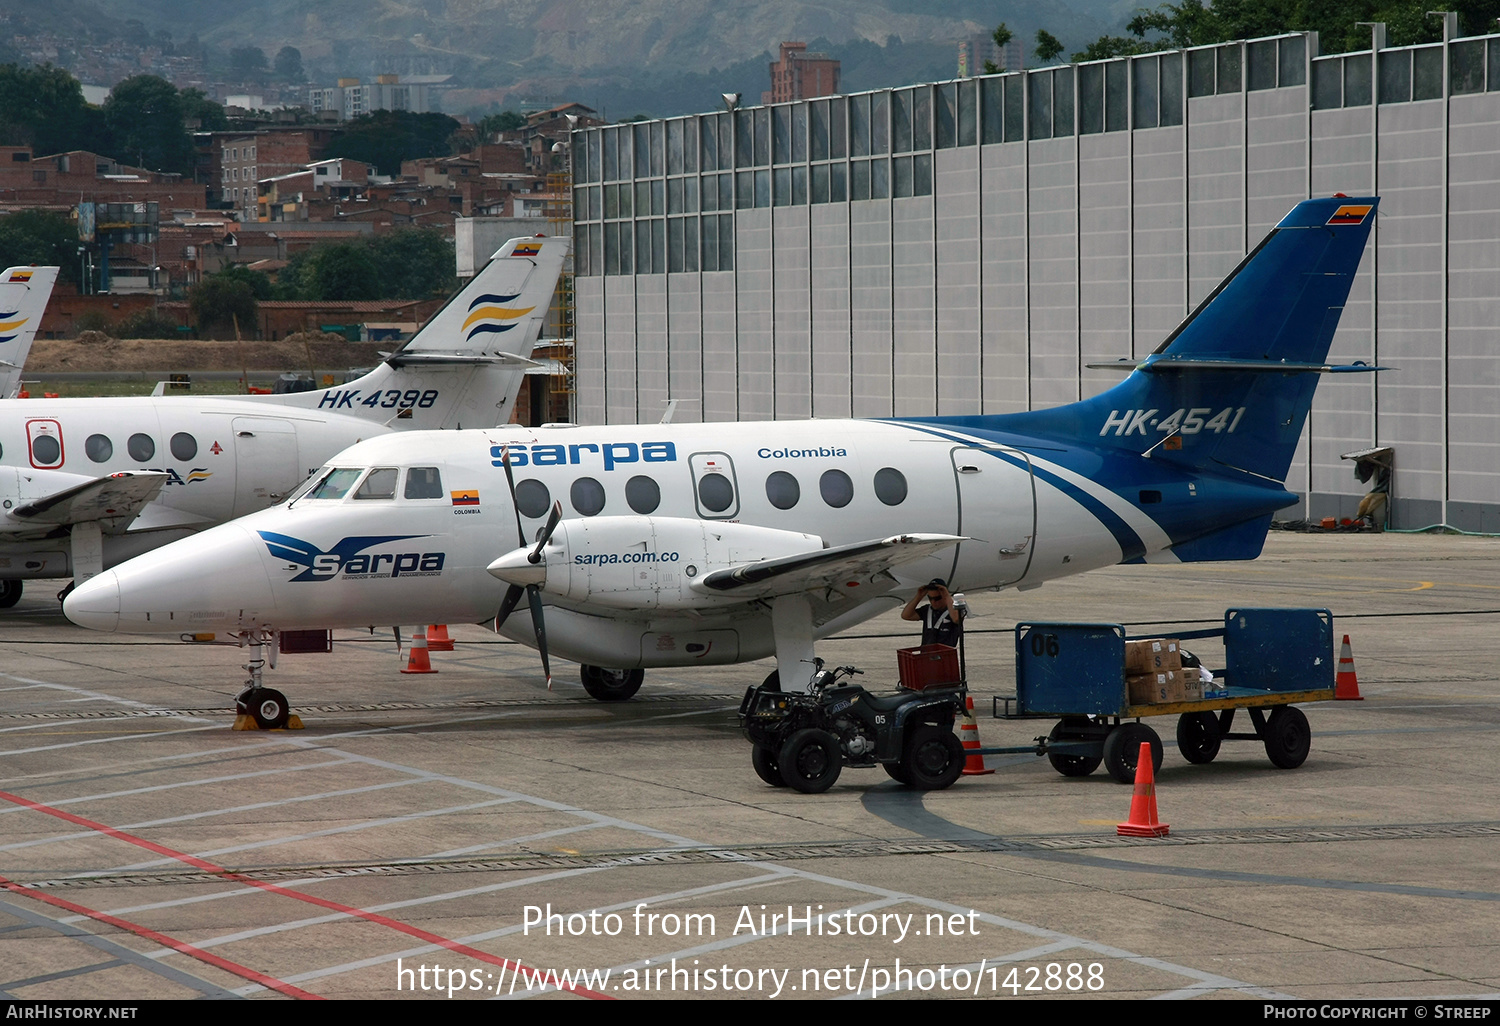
(764, 761)
(810, 761)
(1122, 748)
(1198, 737)
(1288, 737)
(896, 771)
(1070, 765)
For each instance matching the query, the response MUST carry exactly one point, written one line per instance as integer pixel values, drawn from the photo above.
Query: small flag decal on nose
(469, 497)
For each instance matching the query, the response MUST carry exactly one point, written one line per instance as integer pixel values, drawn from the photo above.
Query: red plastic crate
(929, 666)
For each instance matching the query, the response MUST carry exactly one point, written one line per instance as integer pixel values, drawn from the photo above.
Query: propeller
(534, 557)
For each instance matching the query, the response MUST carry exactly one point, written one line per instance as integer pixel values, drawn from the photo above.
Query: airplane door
(266, 467)
(46, 442)
(715, 490)
(997, 510)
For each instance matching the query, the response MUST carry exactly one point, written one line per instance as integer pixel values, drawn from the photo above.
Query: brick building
(61, 181)
(799, 75)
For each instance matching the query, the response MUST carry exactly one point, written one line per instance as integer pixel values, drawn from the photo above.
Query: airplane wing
(119, 497)
(822, 568)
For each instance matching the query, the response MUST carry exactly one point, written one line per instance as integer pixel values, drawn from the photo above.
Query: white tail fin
(464, 367)
(24, 292)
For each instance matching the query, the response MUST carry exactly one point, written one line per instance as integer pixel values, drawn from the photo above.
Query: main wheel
(267, 705)
(764, 761)
(810, 760)
(1198, 737)
(10, 593)
(897, 771)
(934, 758)
(611, 685)
(1288, 737)
(1122, 750)
(1070, 765)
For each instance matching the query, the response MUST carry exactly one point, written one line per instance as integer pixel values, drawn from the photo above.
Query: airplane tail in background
(464, 367)
(24, 292)
(1231, 388)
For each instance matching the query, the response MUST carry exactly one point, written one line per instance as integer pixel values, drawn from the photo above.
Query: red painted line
(311, 899)
(160, 938)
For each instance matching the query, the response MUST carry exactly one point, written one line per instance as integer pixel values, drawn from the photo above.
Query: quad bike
(804, 741)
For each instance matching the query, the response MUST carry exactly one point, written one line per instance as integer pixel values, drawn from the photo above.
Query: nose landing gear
(259, 707)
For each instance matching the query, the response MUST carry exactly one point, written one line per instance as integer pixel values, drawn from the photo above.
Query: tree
(503, 121)
(222, 306)
(248, 63)
(384, 138)
(1002, 37)
(44, 108)
(289, 64)
(196, 106)
(40, 237)
(345, 271)
(144, 116)
(1048, 47)
(260, 284)
(414, 263)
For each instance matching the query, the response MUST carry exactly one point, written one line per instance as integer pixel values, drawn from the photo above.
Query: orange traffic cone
(968, 732)
(1345, 683)
(419, 663)
(1143, 822)
(437, 638)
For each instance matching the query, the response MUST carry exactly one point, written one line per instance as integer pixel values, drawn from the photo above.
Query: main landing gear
(259, 707)
(609, 685)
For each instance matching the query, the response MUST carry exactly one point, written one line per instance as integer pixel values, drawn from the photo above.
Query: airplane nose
(517, 568)
(95, 603)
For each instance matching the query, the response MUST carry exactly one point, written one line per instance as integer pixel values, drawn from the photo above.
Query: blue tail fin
(1233, 384)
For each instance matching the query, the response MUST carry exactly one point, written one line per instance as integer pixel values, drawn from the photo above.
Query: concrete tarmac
(411, 841)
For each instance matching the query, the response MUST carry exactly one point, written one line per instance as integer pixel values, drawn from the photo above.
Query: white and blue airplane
(24, 292)
(88, 483)
(691, 545)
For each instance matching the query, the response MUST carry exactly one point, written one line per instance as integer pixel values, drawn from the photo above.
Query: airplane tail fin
(1232, 386)
(24, 292)
(463, 368)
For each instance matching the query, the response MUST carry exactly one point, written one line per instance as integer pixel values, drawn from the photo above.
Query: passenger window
(424, 483)
(381, 484)
(643, 494)
(715, 492)
(837, 489)
(46, 451)
(890, 486)
(587, 496)
(783, 490)
(98, 448)
(141, 447)
(532, 498)
(337, 484)
(183, 445)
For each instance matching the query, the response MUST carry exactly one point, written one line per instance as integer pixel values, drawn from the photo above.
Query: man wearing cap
(942, 622)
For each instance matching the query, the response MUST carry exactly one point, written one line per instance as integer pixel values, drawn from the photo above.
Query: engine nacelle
(646, 562)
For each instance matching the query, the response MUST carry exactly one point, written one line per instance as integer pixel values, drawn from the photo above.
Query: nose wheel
(259, 707)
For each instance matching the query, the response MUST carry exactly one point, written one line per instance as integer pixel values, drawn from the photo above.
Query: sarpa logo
(348, 557)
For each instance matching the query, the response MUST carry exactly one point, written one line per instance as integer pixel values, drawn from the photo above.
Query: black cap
(937, 582)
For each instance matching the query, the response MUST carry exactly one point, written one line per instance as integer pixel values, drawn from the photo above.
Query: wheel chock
(244, 721)
(1143, 821)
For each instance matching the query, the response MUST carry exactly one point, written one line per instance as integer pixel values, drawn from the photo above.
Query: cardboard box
(1156, 688)
(1192, 686)
(1152, 655)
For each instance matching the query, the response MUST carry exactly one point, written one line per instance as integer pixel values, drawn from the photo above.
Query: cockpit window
(337, 484)
(381, 484)
(306, 486)
(424, 483)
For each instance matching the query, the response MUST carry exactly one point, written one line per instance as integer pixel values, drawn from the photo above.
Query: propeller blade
(510, 479)
(535, 595)
(512, 596)
(553, 519)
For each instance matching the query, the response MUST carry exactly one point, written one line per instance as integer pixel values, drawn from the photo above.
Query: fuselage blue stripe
(1131, 545)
